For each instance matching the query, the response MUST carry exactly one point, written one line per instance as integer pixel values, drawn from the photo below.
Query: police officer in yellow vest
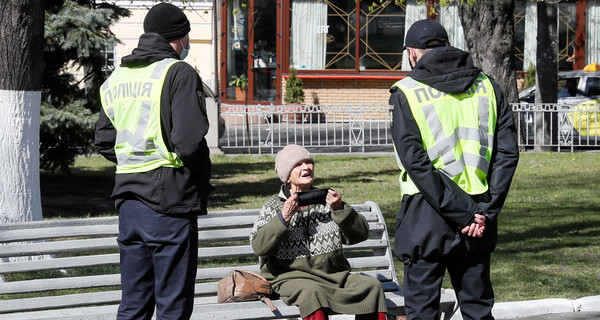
(455, 143)
(153, 126)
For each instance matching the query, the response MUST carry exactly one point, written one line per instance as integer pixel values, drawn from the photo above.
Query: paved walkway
(565, 316)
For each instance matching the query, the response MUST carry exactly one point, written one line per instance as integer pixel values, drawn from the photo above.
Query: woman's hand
(334, 200)
(290, 207)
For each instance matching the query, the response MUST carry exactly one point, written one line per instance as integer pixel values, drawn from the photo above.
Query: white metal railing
(558, 126)
(365, 128)
(334, 128)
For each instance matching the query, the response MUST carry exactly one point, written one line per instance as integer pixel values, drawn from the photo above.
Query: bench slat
(56, 247)
(369, 262)
(220, 221)
(58, 232)
(97, 244)
(60, 263)
(62, 301)
(41, 285)
(246, 250)
(113, 259)
(88, 313)
(60, 223)
(364, 209)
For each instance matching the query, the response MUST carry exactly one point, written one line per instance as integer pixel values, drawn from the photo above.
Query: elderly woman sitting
(301, 245)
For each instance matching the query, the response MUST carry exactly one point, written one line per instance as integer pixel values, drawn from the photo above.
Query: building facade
(350, 52)
(345, 51)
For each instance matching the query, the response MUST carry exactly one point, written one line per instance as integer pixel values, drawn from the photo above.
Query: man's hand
(476, 228)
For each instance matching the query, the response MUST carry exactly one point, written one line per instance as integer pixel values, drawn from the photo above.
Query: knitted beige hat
(287, 159)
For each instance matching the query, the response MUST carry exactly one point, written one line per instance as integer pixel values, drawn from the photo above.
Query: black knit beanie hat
(168, 21)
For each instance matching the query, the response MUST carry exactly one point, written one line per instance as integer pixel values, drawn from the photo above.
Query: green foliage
(529, 77)
(239, 81)
(76, 33)
(294, 90)
(64, 134)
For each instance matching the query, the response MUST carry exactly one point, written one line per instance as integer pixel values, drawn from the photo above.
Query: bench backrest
(42, 259)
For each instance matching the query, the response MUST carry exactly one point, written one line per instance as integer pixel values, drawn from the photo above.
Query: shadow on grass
(231, 194)
(553, 236)
(554, 211)
(82, 193)
(230, 169)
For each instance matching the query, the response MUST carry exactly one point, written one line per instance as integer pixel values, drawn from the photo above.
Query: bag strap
(269, 303)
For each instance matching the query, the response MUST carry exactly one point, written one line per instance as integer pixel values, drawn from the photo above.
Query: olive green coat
(305, 263)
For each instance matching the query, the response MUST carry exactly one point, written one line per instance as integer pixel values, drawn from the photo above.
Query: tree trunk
(546, 73)
(489, 36)
(21, 35)
(547, 53)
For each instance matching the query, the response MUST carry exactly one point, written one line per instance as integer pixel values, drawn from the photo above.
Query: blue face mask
(184, 52)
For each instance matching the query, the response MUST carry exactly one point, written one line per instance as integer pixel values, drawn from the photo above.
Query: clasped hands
(290, 207)
(476, 228)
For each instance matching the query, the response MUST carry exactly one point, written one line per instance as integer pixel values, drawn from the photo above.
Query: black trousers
(470, 277)
(159, 257)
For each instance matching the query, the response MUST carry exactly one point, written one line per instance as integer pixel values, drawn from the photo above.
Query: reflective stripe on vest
(457, 131)
(131, 99)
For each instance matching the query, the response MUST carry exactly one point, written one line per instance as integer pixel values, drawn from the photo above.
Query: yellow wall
(201, 55)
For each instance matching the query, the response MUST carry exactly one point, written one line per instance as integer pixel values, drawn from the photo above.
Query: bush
(529, 77)
(294, 89)
(64, 134)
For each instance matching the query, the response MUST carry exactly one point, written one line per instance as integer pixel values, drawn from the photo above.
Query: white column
(414, 12)
(592, 24)
(212, 137)
(449, 18)
(529, 52)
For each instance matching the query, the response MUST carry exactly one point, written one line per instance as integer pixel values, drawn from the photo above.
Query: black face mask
(312, 196)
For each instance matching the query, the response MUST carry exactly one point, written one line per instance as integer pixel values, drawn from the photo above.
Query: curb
(520, 309)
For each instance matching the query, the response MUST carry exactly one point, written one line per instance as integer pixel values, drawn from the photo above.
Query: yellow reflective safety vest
(131, 99)
(457, 131)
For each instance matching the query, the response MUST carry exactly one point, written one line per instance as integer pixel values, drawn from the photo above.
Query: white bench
(76, 273)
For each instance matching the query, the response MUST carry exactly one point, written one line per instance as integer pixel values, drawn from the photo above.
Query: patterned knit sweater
(305, 263)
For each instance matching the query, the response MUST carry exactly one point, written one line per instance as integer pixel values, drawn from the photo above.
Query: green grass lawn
(549, 232)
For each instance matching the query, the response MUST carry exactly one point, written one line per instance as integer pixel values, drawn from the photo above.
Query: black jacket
(184, 124)
(428, 222)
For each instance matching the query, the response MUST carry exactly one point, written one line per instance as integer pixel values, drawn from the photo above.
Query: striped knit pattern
(313, 232)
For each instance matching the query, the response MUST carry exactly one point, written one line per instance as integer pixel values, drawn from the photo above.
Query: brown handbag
(243, 285)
